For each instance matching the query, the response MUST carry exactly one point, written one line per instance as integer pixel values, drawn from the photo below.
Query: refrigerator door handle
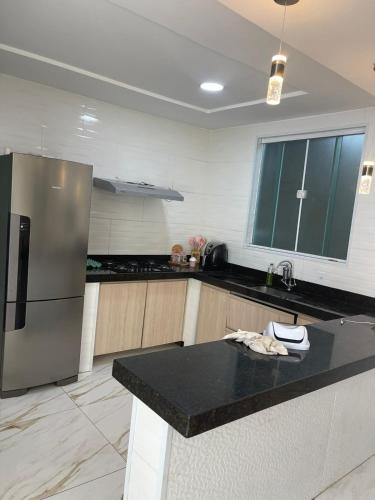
(23, 258)
(15, 316)
(18, 265)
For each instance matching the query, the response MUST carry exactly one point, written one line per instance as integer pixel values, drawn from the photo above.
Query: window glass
(343, 196)
(286, 217)
(318, 223)
(318, 180)
(267, 196)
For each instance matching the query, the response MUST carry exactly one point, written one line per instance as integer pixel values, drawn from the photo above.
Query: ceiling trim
(287, 95)
(96, 76)
(117, 83)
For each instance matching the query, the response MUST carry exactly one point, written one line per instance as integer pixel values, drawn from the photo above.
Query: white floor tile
(357, 485)
(21, 412)
(106, 360)
(107, 404)
(109, 487)
(53, 453)
(61, 442)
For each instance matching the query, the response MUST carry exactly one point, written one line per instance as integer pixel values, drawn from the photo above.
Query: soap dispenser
(269, 277)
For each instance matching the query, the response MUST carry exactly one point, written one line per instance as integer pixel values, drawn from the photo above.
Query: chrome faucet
(288, 275)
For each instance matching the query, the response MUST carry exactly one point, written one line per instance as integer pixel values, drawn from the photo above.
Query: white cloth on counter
(258, 343)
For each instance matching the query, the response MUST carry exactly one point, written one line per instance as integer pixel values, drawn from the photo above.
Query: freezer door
(50, 209)
(47, 348)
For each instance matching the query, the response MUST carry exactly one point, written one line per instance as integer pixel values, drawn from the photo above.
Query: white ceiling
(337, 33)
(130, 53)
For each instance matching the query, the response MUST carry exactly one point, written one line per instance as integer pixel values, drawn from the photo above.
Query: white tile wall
(124, 143)
(193, 295)
(343, 455)
(148, 454)
(213, 169)
(90, 309)
(232, 155)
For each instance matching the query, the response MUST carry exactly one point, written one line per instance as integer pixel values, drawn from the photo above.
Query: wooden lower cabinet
(303, 319)
(164, 314)
(146, 314)
(212, 314)
(247, 315)
(120, 317)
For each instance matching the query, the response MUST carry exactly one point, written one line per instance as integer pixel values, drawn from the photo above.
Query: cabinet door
(164, 315)
(120, 317)
(247, 315)
(303, 319)
(212, 314)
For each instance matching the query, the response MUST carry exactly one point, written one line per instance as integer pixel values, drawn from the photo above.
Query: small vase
(196, 254)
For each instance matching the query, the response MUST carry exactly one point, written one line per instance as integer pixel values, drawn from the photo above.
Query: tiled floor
(357, 485)
(66, 443)
(70, 443)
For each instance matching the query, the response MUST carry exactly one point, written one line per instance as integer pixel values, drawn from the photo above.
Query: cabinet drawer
(247, 315)
(303, 319)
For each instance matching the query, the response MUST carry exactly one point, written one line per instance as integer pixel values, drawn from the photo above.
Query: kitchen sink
(282, 294)
(245, 282)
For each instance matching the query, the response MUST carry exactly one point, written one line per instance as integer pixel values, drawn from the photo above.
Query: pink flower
(197, 242)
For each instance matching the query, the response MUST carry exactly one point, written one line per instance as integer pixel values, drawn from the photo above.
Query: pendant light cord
(282, 28)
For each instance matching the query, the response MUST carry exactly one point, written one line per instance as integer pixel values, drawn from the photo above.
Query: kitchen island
(218, 421)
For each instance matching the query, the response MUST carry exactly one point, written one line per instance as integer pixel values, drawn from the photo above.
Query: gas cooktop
(135, 266)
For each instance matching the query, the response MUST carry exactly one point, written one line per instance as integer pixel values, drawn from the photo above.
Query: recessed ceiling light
(89, 118)
(212, 86)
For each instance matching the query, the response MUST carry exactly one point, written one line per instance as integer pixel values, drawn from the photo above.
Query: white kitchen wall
(232, 162)
(213, 169)
(123, 143)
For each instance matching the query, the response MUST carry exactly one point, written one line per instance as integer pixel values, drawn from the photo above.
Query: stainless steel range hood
(137, 189)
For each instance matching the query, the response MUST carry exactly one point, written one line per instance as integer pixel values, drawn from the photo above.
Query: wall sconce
(366, 177)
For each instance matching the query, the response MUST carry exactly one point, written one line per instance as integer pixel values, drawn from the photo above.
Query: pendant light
(276, 80)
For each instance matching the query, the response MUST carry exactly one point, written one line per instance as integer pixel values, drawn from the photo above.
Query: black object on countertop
(198, 388)
(215, 255)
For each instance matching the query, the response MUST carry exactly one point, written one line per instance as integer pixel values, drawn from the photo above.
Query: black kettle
(215, 255)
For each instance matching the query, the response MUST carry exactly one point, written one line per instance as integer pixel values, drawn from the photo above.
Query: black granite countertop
(105, 275)
(202, 387)
(319, 301)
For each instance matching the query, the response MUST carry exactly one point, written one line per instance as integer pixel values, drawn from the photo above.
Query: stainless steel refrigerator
(44, 222)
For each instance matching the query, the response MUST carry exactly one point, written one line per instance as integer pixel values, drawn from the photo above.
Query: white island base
(291, 451)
